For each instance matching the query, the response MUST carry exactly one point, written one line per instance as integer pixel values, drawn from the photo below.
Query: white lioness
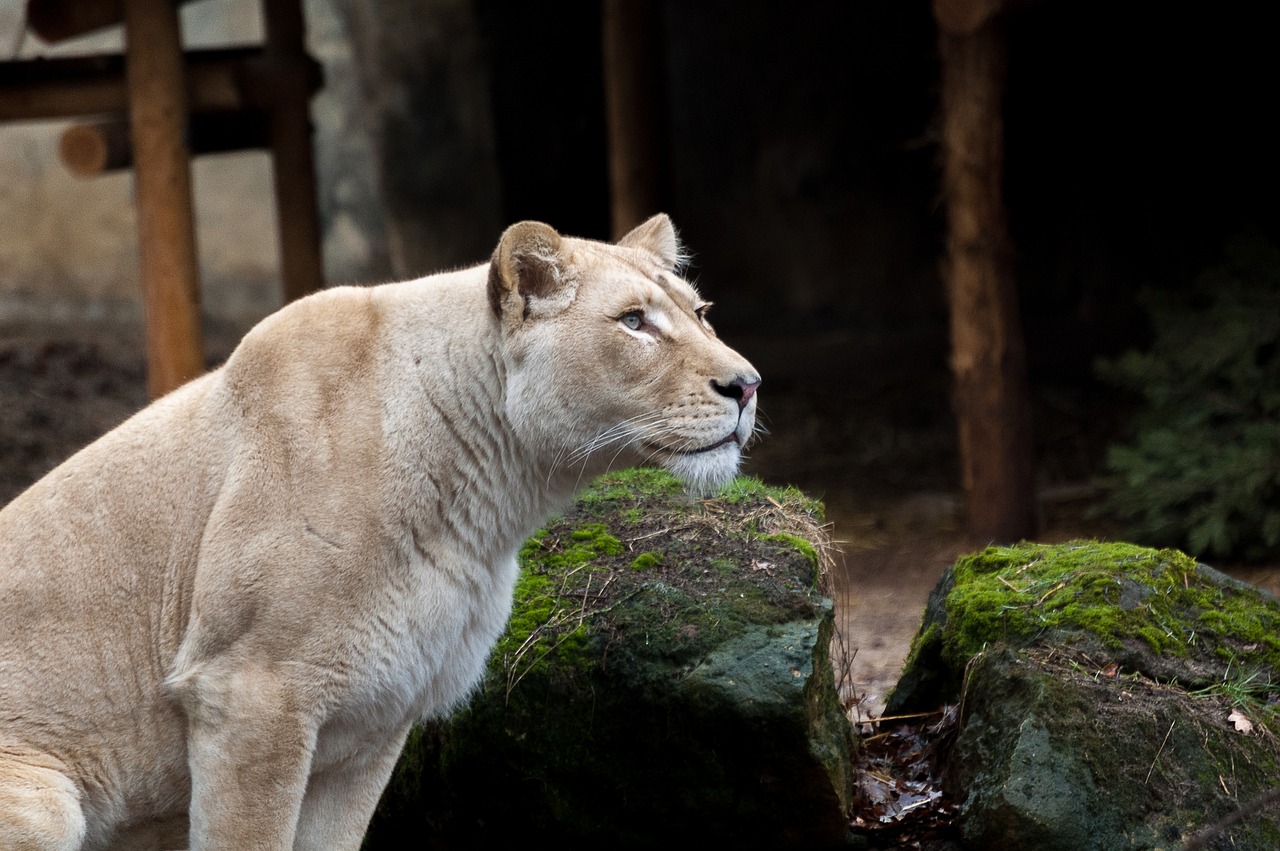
(218, 622)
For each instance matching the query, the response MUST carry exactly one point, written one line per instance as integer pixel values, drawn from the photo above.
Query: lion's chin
(705, 472)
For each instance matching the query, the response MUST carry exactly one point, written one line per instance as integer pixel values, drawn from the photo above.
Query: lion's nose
(741, 387)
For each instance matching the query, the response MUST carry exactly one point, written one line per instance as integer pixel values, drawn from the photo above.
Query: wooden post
(638, 170)
(291, 160)
(988, 358)
(166, 227)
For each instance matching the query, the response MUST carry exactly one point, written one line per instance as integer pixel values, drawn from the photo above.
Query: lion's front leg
(341, 799)
(250, 746)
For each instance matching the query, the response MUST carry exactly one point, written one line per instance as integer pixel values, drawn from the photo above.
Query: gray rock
(665, 674)
(1096, 684)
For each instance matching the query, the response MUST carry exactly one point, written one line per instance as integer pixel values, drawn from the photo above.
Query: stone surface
(1097, 684)
(665, 674)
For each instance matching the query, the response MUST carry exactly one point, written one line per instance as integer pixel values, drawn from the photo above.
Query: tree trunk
(634, 111)
(988, 358)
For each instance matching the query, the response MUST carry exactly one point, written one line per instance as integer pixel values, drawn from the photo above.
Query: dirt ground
(861, 420)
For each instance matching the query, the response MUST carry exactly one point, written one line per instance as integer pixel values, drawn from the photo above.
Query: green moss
(618, 603)
(750, 489)
(625, 489)
(1113, 592)
(688, 590)
(723, 566)
(644, 561)
(799, 544)
(926, 643)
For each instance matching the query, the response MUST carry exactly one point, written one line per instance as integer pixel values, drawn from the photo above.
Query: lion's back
(92, 559)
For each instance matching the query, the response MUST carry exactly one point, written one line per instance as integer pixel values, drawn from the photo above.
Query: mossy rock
(1097, 685)
(1156, 612)
(1052, 757)
(664, 673)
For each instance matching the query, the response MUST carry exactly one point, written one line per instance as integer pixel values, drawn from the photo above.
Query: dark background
(804, 176)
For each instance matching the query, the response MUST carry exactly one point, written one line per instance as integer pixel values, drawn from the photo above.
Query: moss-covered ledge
(1111, 696)
(664, 673)
(1156, 612)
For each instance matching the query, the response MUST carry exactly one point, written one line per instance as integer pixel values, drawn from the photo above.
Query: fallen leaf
(1111, 671)
(1243, 724)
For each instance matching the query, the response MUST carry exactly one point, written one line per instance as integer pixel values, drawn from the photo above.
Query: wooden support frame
(261, 96)
(166, 223)
(99, 147)
(58, 20)
(221, 80)
(292, 162)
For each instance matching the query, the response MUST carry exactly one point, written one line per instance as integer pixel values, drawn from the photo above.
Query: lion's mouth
(732, 437)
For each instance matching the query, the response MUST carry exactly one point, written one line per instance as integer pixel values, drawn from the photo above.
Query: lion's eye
(633, 320)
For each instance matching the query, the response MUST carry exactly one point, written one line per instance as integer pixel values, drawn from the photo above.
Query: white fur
(221, 619)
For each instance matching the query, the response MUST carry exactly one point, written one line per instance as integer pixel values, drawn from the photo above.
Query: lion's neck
(469, 479)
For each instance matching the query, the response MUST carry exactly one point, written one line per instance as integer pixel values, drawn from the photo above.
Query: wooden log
(988, 358)
(221, 80)
(293, 167)
(639, 173)
(95, 148)
(88, 150)
(58, 20)
(166, 226)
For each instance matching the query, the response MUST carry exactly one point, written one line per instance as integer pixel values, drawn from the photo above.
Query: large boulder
(1111, 696)
(665, 674)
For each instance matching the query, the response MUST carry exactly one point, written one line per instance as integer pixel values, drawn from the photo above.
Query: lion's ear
(527, 273)
(657, 236)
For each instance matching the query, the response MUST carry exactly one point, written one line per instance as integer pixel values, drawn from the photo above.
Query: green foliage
(1203, 471)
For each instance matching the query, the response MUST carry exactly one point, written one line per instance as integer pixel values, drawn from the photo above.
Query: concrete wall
(68, 249)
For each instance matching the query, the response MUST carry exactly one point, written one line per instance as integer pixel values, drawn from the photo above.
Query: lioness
(218, 622)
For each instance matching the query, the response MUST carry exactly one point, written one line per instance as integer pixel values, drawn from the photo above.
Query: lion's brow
(675, 293)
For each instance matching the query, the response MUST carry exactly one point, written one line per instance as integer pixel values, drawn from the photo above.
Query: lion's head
(611, 360)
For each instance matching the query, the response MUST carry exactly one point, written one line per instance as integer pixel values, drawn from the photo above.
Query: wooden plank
(166, 226)
(293, 167)
(224, 79)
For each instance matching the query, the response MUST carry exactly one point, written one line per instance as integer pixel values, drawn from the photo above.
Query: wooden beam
(98, 147)
(292, 162)
(225, 79)
(988, 358)
(638, 162)
(57, 20)
(166, 225)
